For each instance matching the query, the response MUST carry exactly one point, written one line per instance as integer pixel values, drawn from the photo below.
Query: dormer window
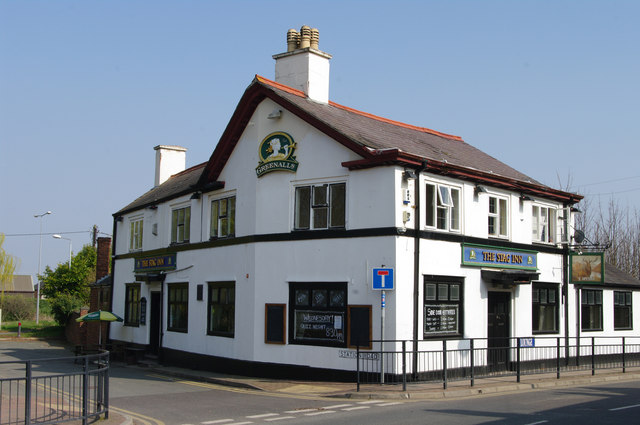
(180, 225)
(543, 224)
(135, 234)
(223, 218)
(443, 207)
(498, 213)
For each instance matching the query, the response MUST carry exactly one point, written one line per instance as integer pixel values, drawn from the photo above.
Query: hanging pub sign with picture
(587, 267)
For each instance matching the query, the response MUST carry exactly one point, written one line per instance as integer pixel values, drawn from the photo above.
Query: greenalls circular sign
(276, 154)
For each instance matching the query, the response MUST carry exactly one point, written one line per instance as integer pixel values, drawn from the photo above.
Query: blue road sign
(383, 279)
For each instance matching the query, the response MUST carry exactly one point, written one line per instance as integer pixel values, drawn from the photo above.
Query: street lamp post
(39, 262)
(66, 239)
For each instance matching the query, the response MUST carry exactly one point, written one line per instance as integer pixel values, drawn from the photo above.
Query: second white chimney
(169, 161)
(303, 66)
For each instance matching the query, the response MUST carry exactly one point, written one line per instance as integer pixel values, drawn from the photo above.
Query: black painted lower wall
(225, 365)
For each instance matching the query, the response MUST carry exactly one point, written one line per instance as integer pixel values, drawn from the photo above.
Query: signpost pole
(382, 309)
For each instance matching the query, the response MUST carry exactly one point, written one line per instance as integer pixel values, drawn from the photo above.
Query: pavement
(348, 390)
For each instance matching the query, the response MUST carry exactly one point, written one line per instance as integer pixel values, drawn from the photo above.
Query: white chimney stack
(169, 161)
(303, 66)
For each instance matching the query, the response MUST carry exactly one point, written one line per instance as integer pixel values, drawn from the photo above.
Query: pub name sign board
(490, 256)
(157, 263)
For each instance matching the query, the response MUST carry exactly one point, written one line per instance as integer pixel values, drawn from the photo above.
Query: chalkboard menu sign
(441, 319)
(312, 325)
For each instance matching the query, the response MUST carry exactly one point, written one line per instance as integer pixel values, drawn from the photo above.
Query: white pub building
(261, 260)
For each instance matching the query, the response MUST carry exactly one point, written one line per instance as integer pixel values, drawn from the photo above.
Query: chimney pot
(293, 39)
(305, 37)
(315, 38)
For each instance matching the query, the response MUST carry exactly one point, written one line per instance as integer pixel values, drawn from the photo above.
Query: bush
(16, 307)
(63, 305)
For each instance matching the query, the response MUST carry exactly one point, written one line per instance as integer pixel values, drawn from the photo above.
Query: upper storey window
(443, 207)
(320, 206)
(498, 213)
(135, 234)
(223, 218)
(543, 224)
(180, 225)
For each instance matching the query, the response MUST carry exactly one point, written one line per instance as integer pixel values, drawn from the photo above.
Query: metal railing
(54, 390)
(395, 361)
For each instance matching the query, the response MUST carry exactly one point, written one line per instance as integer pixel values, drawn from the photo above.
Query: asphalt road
(153, 399)
(165, 400)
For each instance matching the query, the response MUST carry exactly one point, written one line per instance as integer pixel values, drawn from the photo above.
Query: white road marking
(371, 402)
(337, 406)
(300, 411)
(279, 418)
(264, 415)
(219, 421)
(322, 412)
(537, 423)
(242, 423)
(393, 403)
(624, 407)
(348, 409)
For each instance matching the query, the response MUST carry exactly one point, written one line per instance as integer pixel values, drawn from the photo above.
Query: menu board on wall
(441, 319)
(319, 326)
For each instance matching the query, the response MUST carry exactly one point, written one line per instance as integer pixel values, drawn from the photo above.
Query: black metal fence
(397, 362)
(54, 390)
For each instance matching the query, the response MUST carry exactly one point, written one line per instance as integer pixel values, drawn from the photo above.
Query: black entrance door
(498, 344)
(154, 325)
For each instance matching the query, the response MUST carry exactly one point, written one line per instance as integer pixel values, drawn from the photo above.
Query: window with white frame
(498, 213)
(223, 218)
(180, 225)
(543, 224)
(135, 234)
(443, 207)
(320, 206)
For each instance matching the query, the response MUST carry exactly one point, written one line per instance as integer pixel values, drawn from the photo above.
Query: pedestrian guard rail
(54, 390)
(405, 361)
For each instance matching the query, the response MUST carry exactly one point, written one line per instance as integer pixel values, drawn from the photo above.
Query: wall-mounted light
(408, 175)
(524, 197)
(275, 114)
(479, 189)
(153, 207)
(196, 195)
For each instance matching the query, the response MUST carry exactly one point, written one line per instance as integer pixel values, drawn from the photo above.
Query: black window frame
(541, 299)
(173, 302)
(312, 306)
(227, 306)
(622, 301)
(438, 300)
(132, 305)
(311, 208)
(591, 302)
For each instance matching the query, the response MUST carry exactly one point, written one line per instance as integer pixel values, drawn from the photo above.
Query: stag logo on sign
(276, 154)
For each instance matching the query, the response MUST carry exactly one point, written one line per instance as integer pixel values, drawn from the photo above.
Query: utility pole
(94, 235)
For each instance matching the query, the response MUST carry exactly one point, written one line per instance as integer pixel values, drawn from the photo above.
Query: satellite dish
(578, 236)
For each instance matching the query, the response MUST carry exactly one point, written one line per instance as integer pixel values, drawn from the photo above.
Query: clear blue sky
(88, 88)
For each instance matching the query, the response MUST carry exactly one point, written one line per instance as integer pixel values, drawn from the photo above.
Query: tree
(71, 281)
(8, 264)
